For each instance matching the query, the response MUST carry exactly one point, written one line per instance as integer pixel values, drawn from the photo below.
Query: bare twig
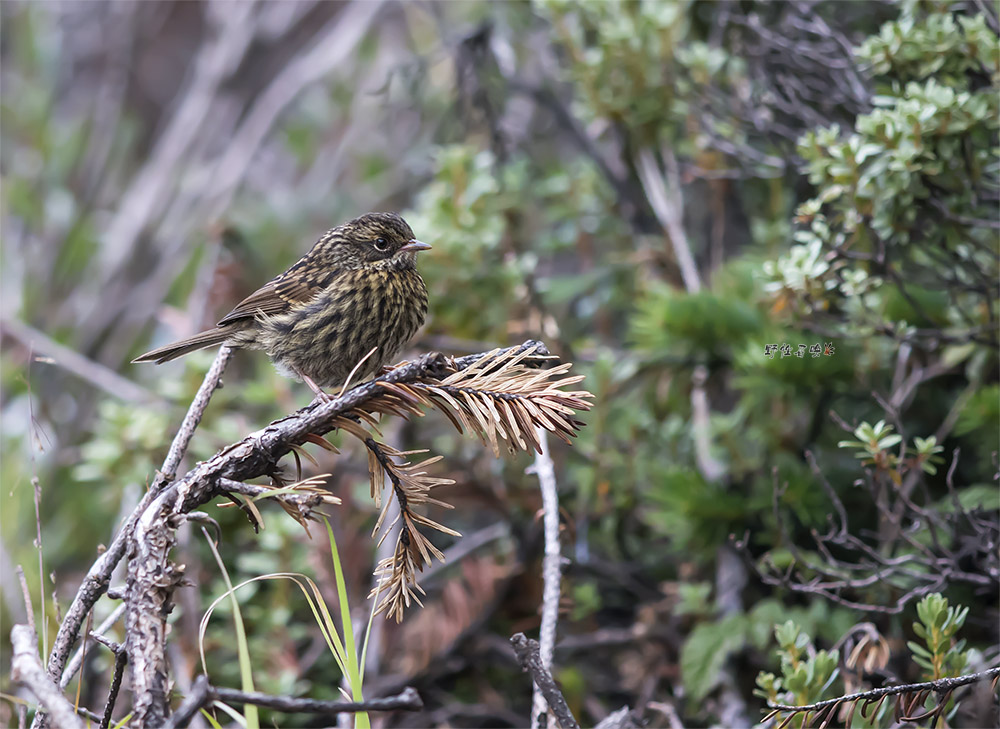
(121, 658)
(36, 489)
(551, 567)
(26, 595)
(26, 669)
(179, 446)
(942, 685)
(77, 660)
(668, 206)
(408, 700)
(531, 662)
(204, 693)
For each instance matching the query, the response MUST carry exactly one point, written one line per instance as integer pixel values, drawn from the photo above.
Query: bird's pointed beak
(415, 246)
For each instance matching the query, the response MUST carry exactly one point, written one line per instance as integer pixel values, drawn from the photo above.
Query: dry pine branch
(499, 397)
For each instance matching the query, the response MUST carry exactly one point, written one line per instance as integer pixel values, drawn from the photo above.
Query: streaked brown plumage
(357, 289)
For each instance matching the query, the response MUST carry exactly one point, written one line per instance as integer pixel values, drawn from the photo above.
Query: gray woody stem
(26, 669)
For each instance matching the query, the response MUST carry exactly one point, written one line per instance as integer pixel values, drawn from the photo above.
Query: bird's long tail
(177, 349)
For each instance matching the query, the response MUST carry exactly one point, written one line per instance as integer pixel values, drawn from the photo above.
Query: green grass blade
(361, 720)
(250, 712)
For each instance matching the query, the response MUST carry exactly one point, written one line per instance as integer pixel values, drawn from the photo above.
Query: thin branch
(408, 700)
(204, 693)
(551, 567)
(668, 206)
(77, 660)
(26, 669)
(121, 658)
(26, 595)
(179, 446)
(939, 686)
(531, 662)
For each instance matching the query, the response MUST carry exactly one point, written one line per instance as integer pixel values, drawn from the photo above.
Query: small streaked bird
(356, 291)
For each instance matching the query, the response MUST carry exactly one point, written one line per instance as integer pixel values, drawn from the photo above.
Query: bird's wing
(277, 295)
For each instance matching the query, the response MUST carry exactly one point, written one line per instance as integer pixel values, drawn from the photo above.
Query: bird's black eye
(381, 244)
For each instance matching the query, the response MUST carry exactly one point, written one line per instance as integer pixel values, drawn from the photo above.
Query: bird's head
(380, 239)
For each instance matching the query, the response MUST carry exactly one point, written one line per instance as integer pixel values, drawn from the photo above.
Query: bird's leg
(320, 394)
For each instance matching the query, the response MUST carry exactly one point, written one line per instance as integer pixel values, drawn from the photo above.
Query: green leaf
(889, 441)
(706, 651)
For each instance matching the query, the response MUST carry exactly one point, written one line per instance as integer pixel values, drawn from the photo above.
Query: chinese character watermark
(788, 350)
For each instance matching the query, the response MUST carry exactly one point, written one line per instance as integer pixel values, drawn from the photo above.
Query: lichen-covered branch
(26, 669)
(528, 655)
(96, 582)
